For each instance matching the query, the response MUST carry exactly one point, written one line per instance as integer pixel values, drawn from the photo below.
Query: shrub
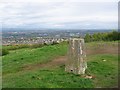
(106, 36)
(3, 52)
(35, 46)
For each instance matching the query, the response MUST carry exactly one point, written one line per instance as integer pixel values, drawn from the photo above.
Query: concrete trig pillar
(76, 62)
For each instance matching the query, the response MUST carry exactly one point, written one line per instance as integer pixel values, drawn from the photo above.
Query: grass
(15, 47)
(47, 78)
(105, 72)
(22, 57)
(101, 44)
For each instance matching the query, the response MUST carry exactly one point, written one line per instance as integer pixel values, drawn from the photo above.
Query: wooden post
(76, 62)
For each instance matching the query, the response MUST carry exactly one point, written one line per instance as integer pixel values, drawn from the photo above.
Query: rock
(104, 60)
(90, 77)
(38, 78)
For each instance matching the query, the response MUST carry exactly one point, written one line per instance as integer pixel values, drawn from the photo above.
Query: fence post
(76, 62)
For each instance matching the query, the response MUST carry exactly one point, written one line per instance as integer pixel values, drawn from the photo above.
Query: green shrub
(3, 52)
(106, 36)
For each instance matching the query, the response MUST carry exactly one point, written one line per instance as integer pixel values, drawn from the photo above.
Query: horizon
(54, 29)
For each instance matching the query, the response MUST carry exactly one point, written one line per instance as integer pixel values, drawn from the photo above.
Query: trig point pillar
(76, 62)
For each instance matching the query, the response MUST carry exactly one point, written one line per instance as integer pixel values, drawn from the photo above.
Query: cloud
(59, 14)
(59, 0)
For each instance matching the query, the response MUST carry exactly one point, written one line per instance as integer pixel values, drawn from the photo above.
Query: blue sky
(64, 14)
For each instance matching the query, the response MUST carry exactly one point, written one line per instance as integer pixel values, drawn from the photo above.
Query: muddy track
(61, 60)
(107, 50)
(56, 62)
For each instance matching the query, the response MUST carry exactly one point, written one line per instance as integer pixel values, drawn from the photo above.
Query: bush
(35, 46)
(106, 36)
(3, 52)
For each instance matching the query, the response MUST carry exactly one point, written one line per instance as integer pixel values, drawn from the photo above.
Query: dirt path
(61, 60)
(107, 50)
(56, 62)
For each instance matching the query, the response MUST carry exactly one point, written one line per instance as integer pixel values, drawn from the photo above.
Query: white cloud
(59, 0)
(59, 14)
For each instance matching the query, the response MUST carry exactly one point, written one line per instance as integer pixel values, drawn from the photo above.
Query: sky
(59, 14)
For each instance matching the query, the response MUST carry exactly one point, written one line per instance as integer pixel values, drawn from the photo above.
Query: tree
(87, 37)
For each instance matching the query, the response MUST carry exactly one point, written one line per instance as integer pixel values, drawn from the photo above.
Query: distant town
(14, 36)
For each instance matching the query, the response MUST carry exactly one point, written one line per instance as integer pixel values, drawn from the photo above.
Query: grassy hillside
(44, 68)
(17, 59)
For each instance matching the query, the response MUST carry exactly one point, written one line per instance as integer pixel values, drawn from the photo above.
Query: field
(44, 67)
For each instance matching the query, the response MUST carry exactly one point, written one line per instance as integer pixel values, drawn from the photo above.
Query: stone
(76, 62)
